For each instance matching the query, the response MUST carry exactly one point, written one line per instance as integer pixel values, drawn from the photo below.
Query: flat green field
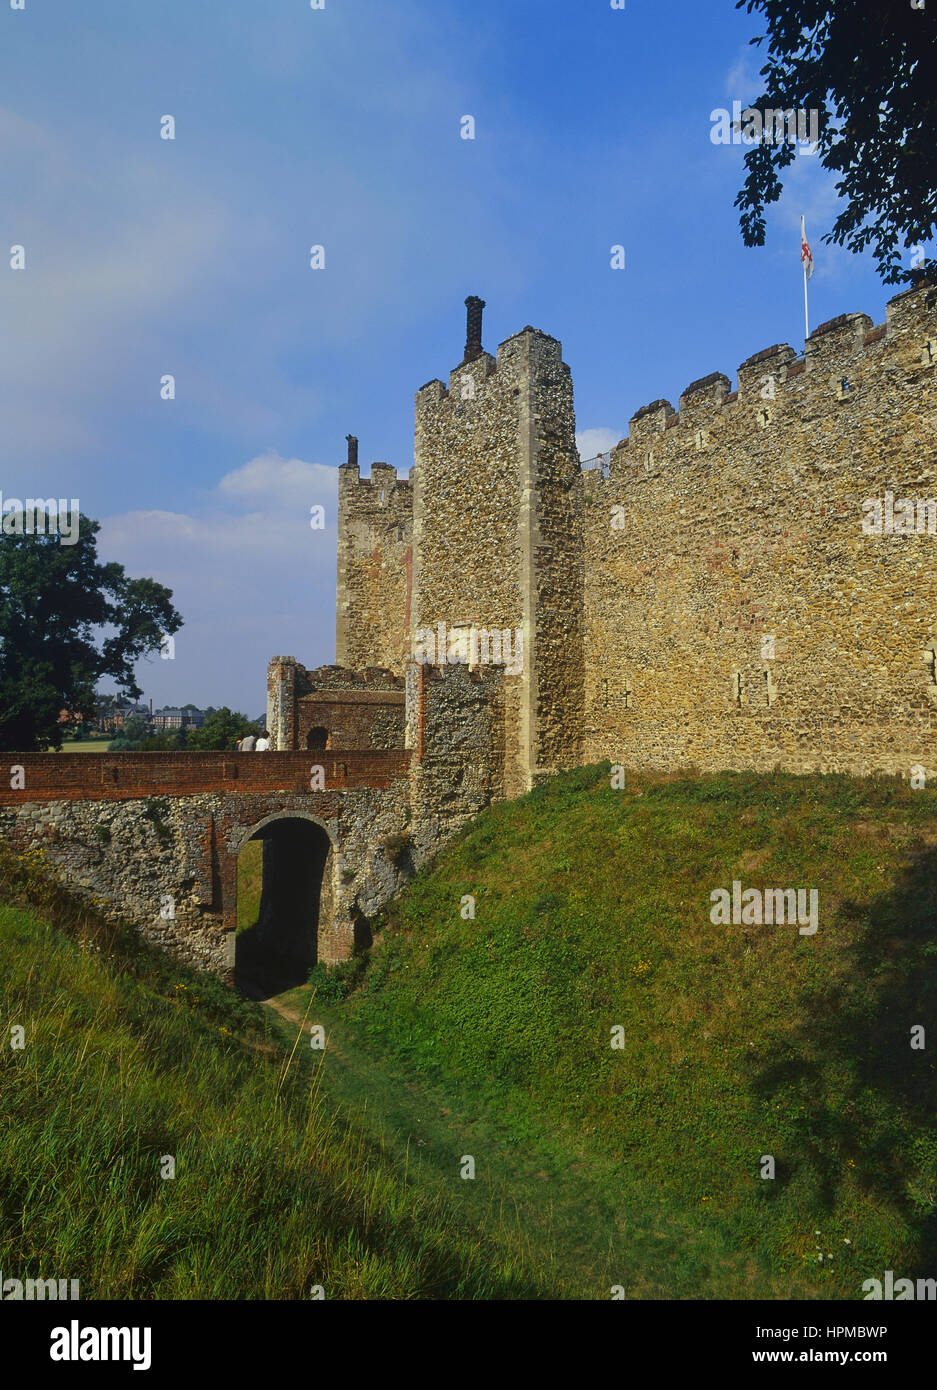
(86, 745)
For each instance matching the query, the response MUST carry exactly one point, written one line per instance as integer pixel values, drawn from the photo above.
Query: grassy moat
(490, 1038)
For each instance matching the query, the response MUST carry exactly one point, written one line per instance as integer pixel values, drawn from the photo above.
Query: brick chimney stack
(473, 328)
(352, 459)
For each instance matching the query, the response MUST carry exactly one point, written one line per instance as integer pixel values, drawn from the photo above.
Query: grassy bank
(592, 912)
(491, 1036)
(128, 1061)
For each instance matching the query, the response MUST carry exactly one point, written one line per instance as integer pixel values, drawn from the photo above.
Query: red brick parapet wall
(123, 776)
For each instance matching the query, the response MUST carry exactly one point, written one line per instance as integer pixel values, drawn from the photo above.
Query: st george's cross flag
(806, 255)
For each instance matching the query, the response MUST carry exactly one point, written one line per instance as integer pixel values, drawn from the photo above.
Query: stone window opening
(628, 700)
(701, 439)
(763, 417)
(738, 688)
(317, 738)
(930, 352)
(605, 694)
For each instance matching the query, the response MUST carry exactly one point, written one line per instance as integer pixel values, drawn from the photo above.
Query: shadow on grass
(853, 1095)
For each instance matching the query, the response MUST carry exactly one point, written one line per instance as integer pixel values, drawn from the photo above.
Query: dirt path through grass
(576, 1213)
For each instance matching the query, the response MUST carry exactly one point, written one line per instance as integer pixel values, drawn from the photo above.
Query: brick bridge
(155, 837)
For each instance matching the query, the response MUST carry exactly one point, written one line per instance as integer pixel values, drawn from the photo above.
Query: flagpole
(803, 260)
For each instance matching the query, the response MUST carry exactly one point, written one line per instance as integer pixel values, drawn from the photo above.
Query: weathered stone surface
(750, 542)
(738, 616)
(168, 864)
(714, 601)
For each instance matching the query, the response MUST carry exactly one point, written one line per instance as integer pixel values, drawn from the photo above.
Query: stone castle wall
(715, 600)
(168, 863)
(496, 540)
(738, 616)
(456, 734)
(334, 708)
(375, 518)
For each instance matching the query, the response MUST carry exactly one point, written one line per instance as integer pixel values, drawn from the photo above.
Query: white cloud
(597, 441)
(249, 576)
(281, 483)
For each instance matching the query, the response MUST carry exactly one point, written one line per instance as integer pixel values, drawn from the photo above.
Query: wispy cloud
(596, 441)
(249, 575)
(743, 82)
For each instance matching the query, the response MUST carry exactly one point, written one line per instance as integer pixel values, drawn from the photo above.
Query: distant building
(172, 717)
(112, 718)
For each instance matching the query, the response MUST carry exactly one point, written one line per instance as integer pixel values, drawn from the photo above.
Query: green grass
(593, 910)
(86, 745)
(491, 1037)
(128, 1059)
(250, 881)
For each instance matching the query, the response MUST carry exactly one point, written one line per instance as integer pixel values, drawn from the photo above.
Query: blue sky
(341, 127)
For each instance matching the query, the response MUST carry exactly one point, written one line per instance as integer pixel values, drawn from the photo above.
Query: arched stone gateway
(279, 948)
(154, 838)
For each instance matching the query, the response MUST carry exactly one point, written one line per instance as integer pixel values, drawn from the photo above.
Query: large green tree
(66, 621)
(870, 68)
(221, 729)
(133, 734)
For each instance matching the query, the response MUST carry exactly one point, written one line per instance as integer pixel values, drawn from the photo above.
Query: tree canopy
(132, 735)
(870, 68)
(221, 729)
(66, 621)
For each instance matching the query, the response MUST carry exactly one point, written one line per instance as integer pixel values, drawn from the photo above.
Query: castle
(749, 584)
(718, 597)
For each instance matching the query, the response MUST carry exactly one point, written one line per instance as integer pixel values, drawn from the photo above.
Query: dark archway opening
(277, 950)
(317, 738)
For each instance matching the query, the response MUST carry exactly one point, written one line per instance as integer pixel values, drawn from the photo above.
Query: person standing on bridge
(263, 743)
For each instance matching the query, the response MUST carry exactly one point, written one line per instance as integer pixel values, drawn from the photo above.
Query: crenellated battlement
(713, 598)
(472, 381)
(845, 359)
(375, 538)
(383, 476)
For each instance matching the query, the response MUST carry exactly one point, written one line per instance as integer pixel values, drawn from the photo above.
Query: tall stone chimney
(352, 459)
(473, 328)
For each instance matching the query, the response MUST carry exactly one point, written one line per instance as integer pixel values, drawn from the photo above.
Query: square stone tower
(497, 533)
(374, 566)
